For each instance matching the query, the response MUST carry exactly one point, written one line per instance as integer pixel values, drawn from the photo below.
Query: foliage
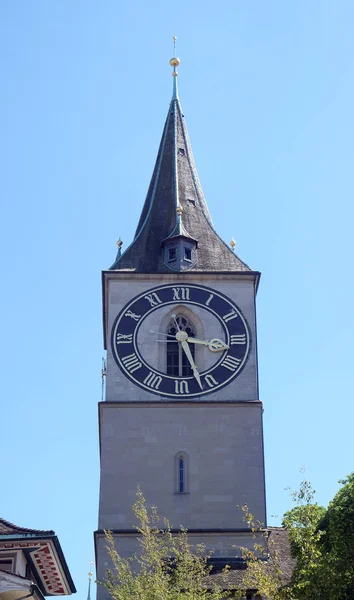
(322, 541)
(337, 541)
(166, 567)
(304, 535)
(263, 565)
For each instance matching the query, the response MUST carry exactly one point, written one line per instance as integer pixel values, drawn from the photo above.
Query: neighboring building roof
(7, 528)
(279, 546)
(175, 206)
(44, 555)
(234, 579)
(15, 586)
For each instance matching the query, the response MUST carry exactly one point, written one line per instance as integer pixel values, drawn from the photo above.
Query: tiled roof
(44, 553)
(278, 536)
(175, 184)
(7, 528)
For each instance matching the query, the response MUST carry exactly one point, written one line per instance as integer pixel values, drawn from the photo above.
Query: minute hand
(215, 345)
(186, 348)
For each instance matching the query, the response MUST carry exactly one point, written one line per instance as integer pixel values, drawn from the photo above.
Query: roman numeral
(209, 299)
(211, 381)
(132, 315)
(181, 387)
(131, 362)
(231, 363)
(123, 338)
(238, 339)
(153, 380)
(180, 293)
(153, 299)
(231, 315)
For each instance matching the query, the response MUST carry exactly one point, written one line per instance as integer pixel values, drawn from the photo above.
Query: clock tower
(182, 417)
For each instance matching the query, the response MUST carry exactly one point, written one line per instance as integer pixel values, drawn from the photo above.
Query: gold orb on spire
(175, 62)
(233, 244)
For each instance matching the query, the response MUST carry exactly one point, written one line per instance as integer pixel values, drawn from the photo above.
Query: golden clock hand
(215, 345)
(186, 348)
(196, 341)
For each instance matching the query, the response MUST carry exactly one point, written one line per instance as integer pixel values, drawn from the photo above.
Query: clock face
(155, 344)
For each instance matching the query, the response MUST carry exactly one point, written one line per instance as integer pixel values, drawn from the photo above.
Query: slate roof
(175, 183)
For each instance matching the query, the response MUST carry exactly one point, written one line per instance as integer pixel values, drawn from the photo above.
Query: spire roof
(175, 207)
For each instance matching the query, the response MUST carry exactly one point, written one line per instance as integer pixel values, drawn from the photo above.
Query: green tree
(302, 523)
(166, 567)
(337, 541)
(322, 541)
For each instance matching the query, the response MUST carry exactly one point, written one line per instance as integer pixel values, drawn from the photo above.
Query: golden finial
(179, 210)
(174, 62)
(90, 572)
(233, 244)
(119, 244)
(89, 584)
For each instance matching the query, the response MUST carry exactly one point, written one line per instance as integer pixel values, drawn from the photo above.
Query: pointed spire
(175, 220)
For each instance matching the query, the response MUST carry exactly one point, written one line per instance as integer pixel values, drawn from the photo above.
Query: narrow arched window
(181, 473)
(181, 466)
(177, 361)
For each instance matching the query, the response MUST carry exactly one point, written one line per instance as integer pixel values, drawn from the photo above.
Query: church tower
(182, 418)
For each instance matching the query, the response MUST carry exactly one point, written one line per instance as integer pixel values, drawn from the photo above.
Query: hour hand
(215, 345)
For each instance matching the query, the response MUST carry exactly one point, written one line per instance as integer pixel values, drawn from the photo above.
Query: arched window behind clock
(177, 361)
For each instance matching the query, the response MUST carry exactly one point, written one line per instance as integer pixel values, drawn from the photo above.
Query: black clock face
(134, 343)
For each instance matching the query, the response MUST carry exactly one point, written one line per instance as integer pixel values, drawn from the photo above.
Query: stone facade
(223, 443)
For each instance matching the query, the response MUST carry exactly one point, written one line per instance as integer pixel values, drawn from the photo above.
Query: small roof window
(172, 254)
(187, 254)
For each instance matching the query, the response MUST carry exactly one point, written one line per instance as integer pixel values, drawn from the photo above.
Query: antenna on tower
(103, 377)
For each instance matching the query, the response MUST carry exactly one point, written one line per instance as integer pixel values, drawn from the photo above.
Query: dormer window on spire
(187, 254)
(172, 254)
(180, 253)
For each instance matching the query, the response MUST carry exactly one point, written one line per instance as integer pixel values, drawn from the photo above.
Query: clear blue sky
(268, 93)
